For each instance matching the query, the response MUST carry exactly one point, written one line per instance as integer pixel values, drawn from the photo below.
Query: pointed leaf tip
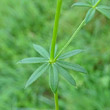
(66, 75)
(104, 10)
(33, 60)
(70, 54)
(71, 66)
(36, 74)
(53, 77)
(90, 14)
(42, 51)
(81, 4)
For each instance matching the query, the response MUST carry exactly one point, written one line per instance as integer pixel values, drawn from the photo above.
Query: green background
(24, 22)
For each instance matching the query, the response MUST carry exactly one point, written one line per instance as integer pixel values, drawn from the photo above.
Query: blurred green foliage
(24, 22)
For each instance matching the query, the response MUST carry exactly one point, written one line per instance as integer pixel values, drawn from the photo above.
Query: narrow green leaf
(70, 54)
(105, 12)
(53, 78)
(104, 7)
(37, 74)
(66, 75)
(93, 2)
(74, 67)
(41, 50)
(81, 4)
(33, 60)
(90, 14)
(56, 48)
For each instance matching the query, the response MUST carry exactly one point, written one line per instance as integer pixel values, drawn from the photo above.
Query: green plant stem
(96, 3)
(54, 37)
(69, 41)
(55, 30)
(56, 101)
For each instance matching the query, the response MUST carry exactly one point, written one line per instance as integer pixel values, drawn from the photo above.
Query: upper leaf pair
(94, 5)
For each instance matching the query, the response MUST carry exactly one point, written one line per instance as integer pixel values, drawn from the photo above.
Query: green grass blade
(36, 74)
(33, 60)
(53, 78)
(41, 50)
(74, 67)
(66, 75)
(70, 54)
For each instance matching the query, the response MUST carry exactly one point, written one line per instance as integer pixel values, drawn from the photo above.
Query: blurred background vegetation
(24, 22)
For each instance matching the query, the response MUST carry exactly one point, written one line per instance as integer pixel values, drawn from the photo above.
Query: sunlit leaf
(70, 54)
(53, 77)
(41, 50)
(74, 67)
(33, 60)
(81, 4)
(90, 14)
(37, 74)
(66, 75)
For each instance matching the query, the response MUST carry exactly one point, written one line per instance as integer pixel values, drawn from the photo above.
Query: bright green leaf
(33, 60)
(53, 77)
(41, 50)
(37, 74)
(66, 75)
(74, 67)
(70, 54)
(90, 14)
(104, 11)
(81, 4)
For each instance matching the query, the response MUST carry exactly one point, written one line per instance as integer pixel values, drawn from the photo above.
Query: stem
(69, 41)
(96, 4)
(56, 101)
(75, 33)
(55, 30)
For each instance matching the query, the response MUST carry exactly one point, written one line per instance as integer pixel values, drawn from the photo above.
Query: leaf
(33, 60)
(93, 2)
(74, 67)
(66, 75)
(36, 74)
(81, 4)
(70, 54)
(53, 78)
(104, 11)
(90, 14)
(104, 7)
(41, 50)
(56, 48)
